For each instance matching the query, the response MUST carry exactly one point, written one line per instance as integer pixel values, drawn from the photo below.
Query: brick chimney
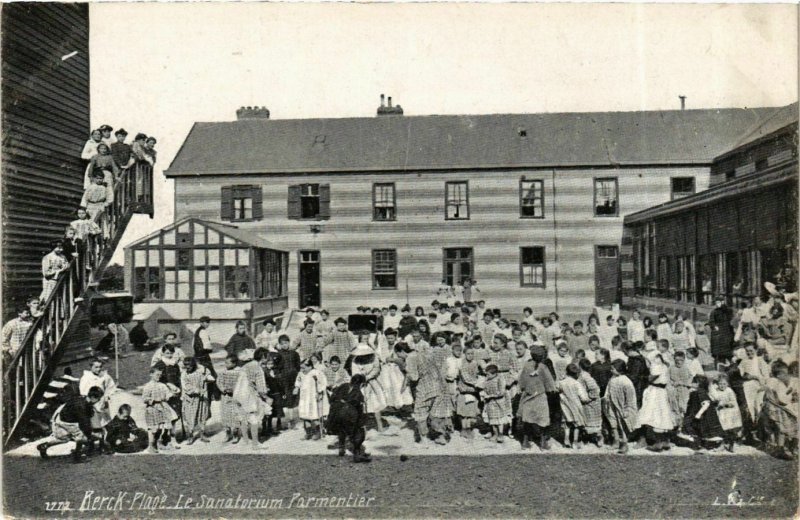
(390, 110)
(252, 113)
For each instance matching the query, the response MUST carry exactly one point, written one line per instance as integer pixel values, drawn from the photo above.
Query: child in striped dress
(494, 395)
(232, 415)
(573, 397)
(158, 415)
(53, 264)
(501, 357)
(468, 389)
(97, 196)
(195, 405)
(592, 410)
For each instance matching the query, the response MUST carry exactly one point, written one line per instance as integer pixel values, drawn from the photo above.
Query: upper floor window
(531, 199)
(457, 200)
(309, 201)
(606, 197)
(682, 187)
(241, 203)
(383, 201)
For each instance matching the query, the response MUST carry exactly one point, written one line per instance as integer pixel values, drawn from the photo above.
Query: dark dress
(275, 390)
(721, 332)
(287, 366)
(407, 324)
(138, 337)
(203, 357)
(601, 372)
(346, 417)
(238, 343)
(707, 425)
(638, 373)
(119, 432)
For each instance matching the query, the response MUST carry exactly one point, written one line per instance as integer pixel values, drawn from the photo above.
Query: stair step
(58, 384)
(49, 395)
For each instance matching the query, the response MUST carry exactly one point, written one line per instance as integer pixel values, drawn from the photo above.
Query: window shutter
(258, 197)
(324, 201)
(294, 202)
(226, 212)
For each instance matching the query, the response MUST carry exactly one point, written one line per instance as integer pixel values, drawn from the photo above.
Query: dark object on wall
(359, 322)
(110, 308)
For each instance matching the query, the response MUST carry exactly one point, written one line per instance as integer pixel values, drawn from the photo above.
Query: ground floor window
(531, 266)
(384, 269)
(458, 265)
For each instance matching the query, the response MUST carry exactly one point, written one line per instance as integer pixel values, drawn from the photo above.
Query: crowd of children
(465, 369)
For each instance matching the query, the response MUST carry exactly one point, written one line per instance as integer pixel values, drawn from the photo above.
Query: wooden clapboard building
(378, 210)
(45, 90)
(729, 239)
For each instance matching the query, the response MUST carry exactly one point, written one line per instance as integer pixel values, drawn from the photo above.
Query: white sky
(158, 68)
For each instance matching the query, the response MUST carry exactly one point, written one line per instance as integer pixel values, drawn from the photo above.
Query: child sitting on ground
(123, 436)
(701, 420)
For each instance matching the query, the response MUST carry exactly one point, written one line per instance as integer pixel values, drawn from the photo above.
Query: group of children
(467, 369)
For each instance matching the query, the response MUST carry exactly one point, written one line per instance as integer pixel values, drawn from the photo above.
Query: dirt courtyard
(501, 486)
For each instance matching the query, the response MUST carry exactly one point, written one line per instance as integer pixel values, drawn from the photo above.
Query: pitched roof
(247, 237)
(462, 141)
(775, 122)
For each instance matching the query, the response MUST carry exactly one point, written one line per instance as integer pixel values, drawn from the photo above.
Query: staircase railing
(26, 370)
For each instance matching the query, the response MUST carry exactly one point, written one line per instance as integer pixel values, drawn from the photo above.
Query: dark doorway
(309, 287)
(606, 275)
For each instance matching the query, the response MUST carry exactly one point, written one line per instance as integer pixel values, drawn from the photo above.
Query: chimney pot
(389, 110)
(390, 101)
(252, 112)
(382, 99)
(683, 102)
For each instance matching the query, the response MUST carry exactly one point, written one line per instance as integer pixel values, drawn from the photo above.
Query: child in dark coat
(701, 420)
(123, 435)
(287, 367)
(347, 417)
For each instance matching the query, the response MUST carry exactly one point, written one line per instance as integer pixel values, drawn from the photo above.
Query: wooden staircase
(63, 324)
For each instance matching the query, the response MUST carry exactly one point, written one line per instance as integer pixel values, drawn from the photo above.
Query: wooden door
(606, 275)
(309, 279)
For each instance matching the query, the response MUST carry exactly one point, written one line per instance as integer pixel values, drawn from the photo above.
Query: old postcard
(273, 260)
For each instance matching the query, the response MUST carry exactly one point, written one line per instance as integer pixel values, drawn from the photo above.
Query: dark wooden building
(45, 92)
(729, 239)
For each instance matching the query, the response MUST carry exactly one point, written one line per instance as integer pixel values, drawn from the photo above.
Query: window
(309, 202)
(457, 200)
(730, 174)
(682, 187)
(531, 199)
(384, 269)
(607, 251)
(531, 266)
(606, 197)
(241, 203)
(236, 274)
(383, 201)
(458, 265)
(146, 283)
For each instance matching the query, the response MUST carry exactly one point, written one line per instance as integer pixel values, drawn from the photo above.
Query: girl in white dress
(364, 360)
(727, 410)
(393, 380)
(656, 411)
(311, 384)
(755, 372)
(98, 377)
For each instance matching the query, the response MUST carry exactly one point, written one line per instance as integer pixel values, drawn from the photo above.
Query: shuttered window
(384, 269)
(242, 203)
(531, 266)
(309, 201)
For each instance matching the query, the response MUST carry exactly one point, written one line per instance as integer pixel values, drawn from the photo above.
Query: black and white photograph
(399, 260)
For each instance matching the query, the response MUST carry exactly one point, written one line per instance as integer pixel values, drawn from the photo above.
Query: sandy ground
(554, 486)
(475, 479)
